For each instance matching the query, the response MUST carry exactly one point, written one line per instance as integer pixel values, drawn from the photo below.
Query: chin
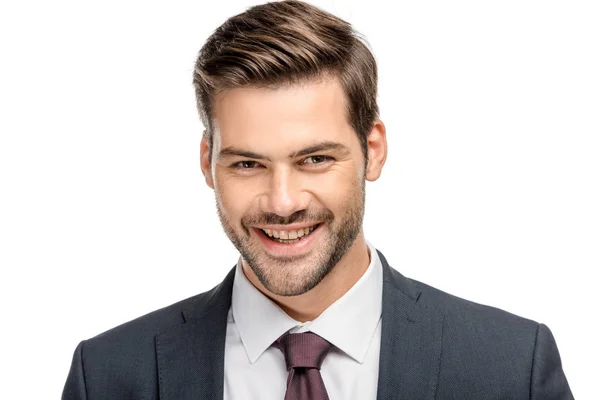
(290, 276)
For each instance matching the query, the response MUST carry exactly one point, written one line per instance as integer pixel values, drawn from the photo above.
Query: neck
(308, 306)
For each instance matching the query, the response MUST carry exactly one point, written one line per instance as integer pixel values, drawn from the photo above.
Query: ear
(205, 161)
(377, 149)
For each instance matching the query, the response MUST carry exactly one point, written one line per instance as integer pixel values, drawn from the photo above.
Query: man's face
(288, 174)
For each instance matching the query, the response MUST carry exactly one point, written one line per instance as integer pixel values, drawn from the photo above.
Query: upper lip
(290, 227)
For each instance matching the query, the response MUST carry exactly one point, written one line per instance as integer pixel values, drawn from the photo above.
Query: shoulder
(470, 326)
(456, 311)
(123, 359)
(150, 323)
(482, 347)
(461, 310)
(484, 352)
(135, 338)
(142, 330)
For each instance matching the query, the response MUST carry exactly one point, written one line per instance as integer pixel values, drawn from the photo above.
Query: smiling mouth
(288, 237)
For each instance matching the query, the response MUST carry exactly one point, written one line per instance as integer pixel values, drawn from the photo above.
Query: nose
(283, 193)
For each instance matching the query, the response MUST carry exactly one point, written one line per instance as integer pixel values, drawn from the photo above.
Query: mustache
(298, 216)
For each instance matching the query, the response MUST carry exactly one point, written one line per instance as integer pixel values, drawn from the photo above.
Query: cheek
(335, 189)
(235, 196)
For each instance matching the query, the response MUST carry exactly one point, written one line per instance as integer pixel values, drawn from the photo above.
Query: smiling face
(289, 180)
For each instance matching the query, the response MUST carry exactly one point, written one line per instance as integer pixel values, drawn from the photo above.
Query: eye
(245, 165)
(316, 160)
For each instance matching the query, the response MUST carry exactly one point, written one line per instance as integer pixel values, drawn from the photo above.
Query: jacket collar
(411, 341)
(190, 357)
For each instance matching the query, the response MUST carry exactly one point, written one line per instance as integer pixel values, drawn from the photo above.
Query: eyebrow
(323, 146)
(232, 151)
(235, 152)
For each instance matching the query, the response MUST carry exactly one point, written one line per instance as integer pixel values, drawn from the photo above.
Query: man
(287, 94)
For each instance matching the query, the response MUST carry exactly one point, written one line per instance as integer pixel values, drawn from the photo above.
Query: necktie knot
(306, 349)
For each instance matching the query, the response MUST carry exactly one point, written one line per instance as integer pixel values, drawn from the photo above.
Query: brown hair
(282, 43)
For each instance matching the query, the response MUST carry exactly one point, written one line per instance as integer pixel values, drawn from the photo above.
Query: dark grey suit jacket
(433, 346)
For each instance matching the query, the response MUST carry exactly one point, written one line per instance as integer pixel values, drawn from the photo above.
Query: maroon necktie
(304, 353)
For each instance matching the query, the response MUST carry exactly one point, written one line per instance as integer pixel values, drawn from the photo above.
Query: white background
(490, 192)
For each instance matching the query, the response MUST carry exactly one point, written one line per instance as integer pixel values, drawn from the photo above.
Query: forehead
(284, 117)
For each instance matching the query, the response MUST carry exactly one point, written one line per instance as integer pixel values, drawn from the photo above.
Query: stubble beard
(296, 275)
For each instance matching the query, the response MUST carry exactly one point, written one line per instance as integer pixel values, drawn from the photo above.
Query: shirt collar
(349, 323)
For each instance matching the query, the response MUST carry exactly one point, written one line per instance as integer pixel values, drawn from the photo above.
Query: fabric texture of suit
(433, 346)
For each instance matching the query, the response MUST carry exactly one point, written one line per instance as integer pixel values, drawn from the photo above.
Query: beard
(296, 275)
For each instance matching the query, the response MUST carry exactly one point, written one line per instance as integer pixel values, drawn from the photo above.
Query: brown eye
(317, 159)
(245, 164)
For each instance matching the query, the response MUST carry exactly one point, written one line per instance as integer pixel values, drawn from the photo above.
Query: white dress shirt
(256, 370)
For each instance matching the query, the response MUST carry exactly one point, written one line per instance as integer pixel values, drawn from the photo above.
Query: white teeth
(289, 235)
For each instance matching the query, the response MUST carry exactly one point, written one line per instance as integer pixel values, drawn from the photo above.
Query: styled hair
(283, 43)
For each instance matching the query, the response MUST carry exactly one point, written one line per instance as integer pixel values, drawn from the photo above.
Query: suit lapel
(190, 356)
(411, 337)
